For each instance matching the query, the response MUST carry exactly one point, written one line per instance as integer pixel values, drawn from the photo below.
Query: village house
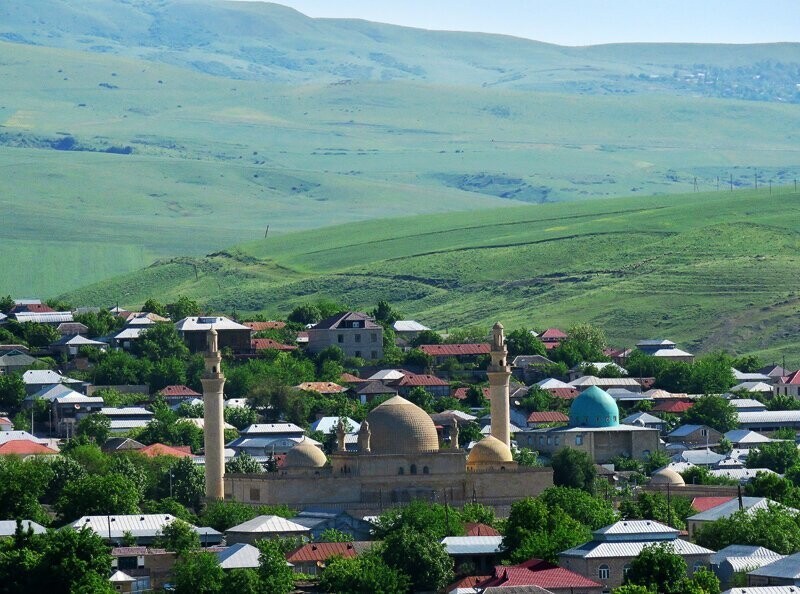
(463, 353)
(310, 559)
(725, 510)
(781, 572)
(15, 361)
(664, 349)
(262, 527)
(694, 436)
(552, 338)
(151, 568)
(608, 556)
(231, 335)
(144, 528)
(355, 333)
(540, 574)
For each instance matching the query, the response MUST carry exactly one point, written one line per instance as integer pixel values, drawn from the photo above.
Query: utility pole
(731, 182)
(695, 183)
(266, 232)
(755, 177)
(717, 183)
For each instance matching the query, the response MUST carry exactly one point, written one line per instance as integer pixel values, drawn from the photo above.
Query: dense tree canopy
(419, 556)
(573, 468)
(713, 411)
(775, 528)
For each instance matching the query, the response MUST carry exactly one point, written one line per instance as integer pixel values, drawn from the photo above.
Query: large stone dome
(667, 476)
(305, 455)
(594, 408)
(401, 427)
(489, 450)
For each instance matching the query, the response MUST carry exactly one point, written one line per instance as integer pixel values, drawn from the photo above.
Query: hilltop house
(664, 349)
(231, 335)
(355, 333)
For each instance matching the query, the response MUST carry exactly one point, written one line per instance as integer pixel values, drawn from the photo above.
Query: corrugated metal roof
(271, 429)
(140, 525)
(764, 590)
(267, 525)
(238, 556)
(787, 568)
(731, 507)
(328, 424)
(455, 350)
(56, 317)
(631, 527)
(408, 326)
(741, 551)
(608, 550)
(769, 416)
(125, 411)
(472, 545)
(205, 323)
(9, 527)
(322, 551)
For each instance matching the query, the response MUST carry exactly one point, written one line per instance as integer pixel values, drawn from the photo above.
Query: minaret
(499, 371)
(213, 431)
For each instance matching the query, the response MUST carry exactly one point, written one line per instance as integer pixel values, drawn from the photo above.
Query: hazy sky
(583, 22)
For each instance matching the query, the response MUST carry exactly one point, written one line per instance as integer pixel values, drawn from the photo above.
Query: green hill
(138, 130)
(710, 270)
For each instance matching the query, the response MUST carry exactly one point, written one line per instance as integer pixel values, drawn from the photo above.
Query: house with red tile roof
(552, 338)
(462, 352)
(676, 407)
(31, 308)
(321, 387)
(160, 449)
(480, 529)
(788, 385)
(265, 344)
(178, 393)
(261, 326)
(461, 393)
(702, 504)
(539, 418)
(432, 384)
(25, 448)
(536, 572)
(310, 558)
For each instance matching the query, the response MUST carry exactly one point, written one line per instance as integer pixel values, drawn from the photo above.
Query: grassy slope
(216, 161)
(708, 269)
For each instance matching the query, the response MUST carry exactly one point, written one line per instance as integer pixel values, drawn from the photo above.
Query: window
(541, 439)
(426, 470)
(603, 572)
(698, 565)
(358, 353)
(704, 432)
(255, 494)
(374, 337)
(578, 440)
(400, 470)
(413, 469)
(626, 569)
(556, 439)
(549, 440)
(374, 354)
(340, 338)
(530, 440)
(357, 338)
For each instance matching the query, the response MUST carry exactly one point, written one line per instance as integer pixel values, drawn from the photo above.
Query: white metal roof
(120, 576)
(53, 317)
(328, 424)
(743, 376)
(739, 474)
(238, 556)
(590, 380)
(634, 527)
(746, 436)
(747, 403)
(764, 590)
(266, 525)
(742, 551)
(9, 527)
(752, 386)
(751, 504)
(472, 545)
(129, 333)
(271, 428)
(769, 416)
(408, 326)
(125, 411)
(136, 524)
(642, 418)
(18, 435)
(387, 374)
(205, 323)
(671, 352)
(786, 568)
(46, 376)
(609, 550)
(551, 383)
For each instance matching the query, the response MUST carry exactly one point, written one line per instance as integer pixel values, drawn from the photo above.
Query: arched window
(425, 470)
(400, 470)
(502, 468)
(603, 572)
(626, 569)
(413, 469)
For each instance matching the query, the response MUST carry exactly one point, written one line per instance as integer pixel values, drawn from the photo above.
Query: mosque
(399, 458)
(594, 428)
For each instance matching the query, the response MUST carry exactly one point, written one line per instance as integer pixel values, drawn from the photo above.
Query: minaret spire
(499, 371)
(213, 432)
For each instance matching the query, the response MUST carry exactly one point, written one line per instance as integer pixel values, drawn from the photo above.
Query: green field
(710, 270)
(215, 161)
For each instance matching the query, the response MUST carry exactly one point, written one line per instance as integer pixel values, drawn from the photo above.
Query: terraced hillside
(710, 270)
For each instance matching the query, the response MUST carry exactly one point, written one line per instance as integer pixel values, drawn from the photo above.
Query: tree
(658, 564)
(748, 363)
(6, 303)
(244, 463)
(421, 397)
(701, 475)
(304, 314)
(12, 391)
(183, 308)
(712, 374)
(180, 537)
(573, 468)
(384, 314)
(334, 535)
(242, 581)
(631, 589)
(427, 337)
(188, 483)
(99, 323)
(654, 506)
(774, 528)
(39, 335)
(365, 574)
(534, 529)
(434, 519)
(417, 555)
(160, 341)
(119, 368)
(477, 512)
(240, 417)
(655, 460)
(580, 505)
(62, 561)
(527, 457)
(170, 371)
(198, 573)
(153, 306)
(96, 426)
(778, 456)
(276, 576)
(94, 494)
(522, 342)
(589, 340)
(22, 484)
(713, 411)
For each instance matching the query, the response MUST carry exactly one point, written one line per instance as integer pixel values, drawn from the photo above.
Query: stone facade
(356, 334)
(611, 571)
(601, 444)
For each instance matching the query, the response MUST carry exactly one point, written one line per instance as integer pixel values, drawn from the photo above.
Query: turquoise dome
(594, 408)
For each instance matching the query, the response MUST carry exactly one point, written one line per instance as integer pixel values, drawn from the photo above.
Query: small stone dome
(667, 476)
(401, 427)
(594, 408)
(489, 450)
(305, 455)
